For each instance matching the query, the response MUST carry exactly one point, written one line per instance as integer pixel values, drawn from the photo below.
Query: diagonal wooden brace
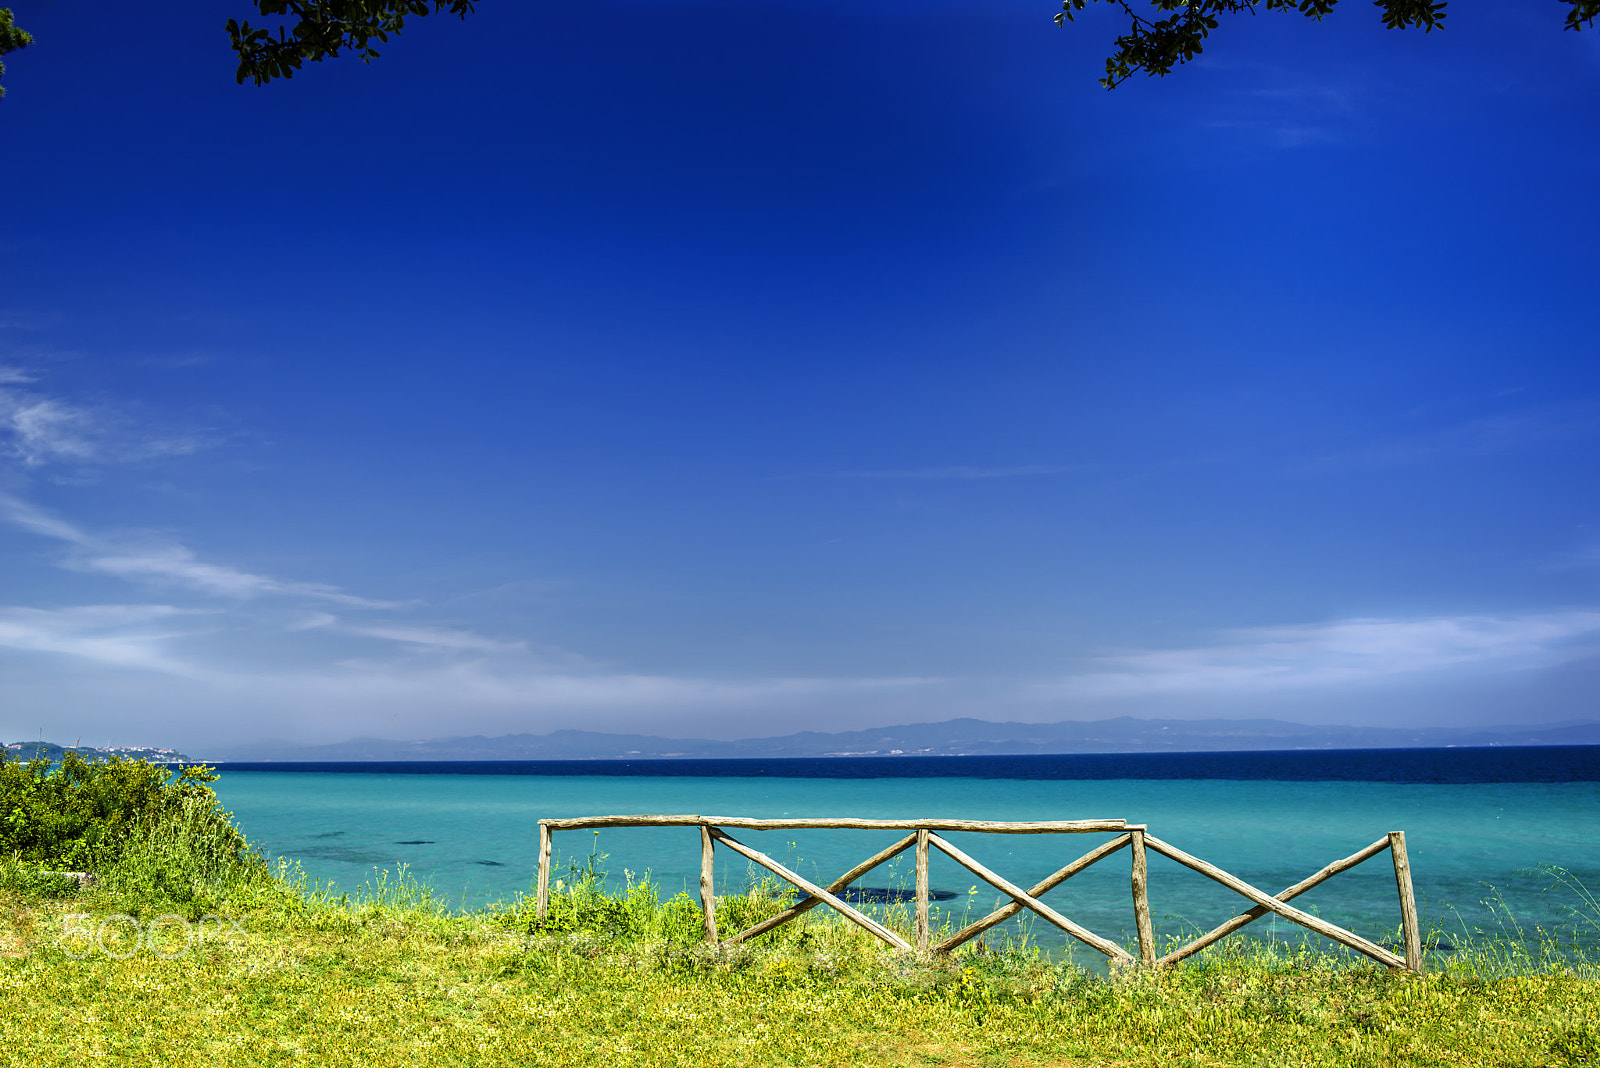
(1288, 912)
(839, 884)
(1221, 931)
(1005, 912)
(859, 918)
(1027, 900)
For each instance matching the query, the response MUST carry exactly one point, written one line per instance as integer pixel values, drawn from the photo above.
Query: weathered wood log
(1408, 901)
(1216, 934)
(708, 886)
(1005, 912)
(841, 883)
(1141, 902)
(839, 823)
(577, 823)
(542, 902)
(922, 891)
(984, 826)
(865, 921)
(1288, 912)
(1017, 893)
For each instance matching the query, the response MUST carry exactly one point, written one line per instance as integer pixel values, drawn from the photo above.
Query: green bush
(127, 821)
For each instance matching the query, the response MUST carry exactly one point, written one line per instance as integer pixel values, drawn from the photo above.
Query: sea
(1504, 843)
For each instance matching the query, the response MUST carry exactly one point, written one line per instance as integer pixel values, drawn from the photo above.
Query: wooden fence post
(543, 900)
(922, 891)
(1141, 902)
(708, 891)
(1408, 901)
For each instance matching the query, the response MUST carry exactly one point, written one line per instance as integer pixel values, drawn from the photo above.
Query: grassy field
(391, 978)
(187, 952)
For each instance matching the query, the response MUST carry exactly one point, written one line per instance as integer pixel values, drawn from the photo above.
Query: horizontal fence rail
(838, 823)
(924, 836)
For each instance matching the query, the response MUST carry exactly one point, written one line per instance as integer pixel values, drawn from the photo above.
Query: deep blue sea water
(1480, 824)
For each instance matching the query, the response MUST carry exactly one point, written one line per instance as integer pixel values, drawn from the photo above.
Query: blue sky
(731, 368)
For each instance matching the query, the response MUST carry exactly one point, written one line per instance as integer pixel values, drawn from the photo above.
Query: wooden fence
(924, 835)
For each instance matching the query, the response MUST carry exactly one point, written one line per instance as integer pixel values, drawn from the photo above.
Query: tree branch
(323, 29)
(12, 37)
(1157, 45)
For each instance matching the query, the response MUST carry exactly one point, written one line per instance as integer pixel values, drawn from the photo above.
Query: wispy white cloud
(178, 565)
(431, 669)
(1344, 651)
(1286, 109)
(472, 680)
(163, 562)
(442, 643)
(37, 430)
(1291, 115)
(437, 638)
(332, 662)
(129, 636)
(30, 517)
(479, 683)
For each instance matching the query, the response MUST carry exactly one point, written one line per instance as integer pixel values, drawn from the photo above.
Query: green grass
(391, 975)
(245, 964)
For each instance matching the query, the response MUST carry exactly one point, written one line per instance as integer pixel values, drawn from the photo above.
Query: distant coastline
(1454, 765)
(958, 737)
(53, 751)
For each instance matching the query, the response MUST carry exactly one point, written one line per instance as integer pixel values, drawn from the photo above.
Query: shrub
(128, 821)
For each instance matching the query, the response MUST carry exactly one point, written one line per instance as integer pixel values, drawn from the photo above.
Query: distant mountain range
(956, 737)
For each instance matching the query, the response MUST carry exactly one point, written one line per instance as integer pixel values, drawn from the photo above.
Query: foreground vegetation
(189, 950)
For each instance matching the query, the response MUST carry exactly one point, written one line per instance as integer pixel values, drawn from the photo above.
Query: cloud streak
(128, 636)
(427, 671)
(437, 638)
(1341, 652)
(37, 430)
(467, 680)
(178, 565)
(163, 562)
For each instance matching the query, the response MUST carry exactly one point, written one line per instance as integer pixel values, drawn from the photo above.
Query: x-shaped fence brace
(924, 835)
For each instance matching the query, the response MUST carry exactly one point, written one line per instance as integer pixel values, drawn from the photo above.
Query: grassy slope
(374, 982)
(392, 977)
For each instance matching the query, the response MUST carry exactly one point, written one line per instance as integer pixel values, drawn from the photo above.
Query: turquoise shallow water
(474, 838)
